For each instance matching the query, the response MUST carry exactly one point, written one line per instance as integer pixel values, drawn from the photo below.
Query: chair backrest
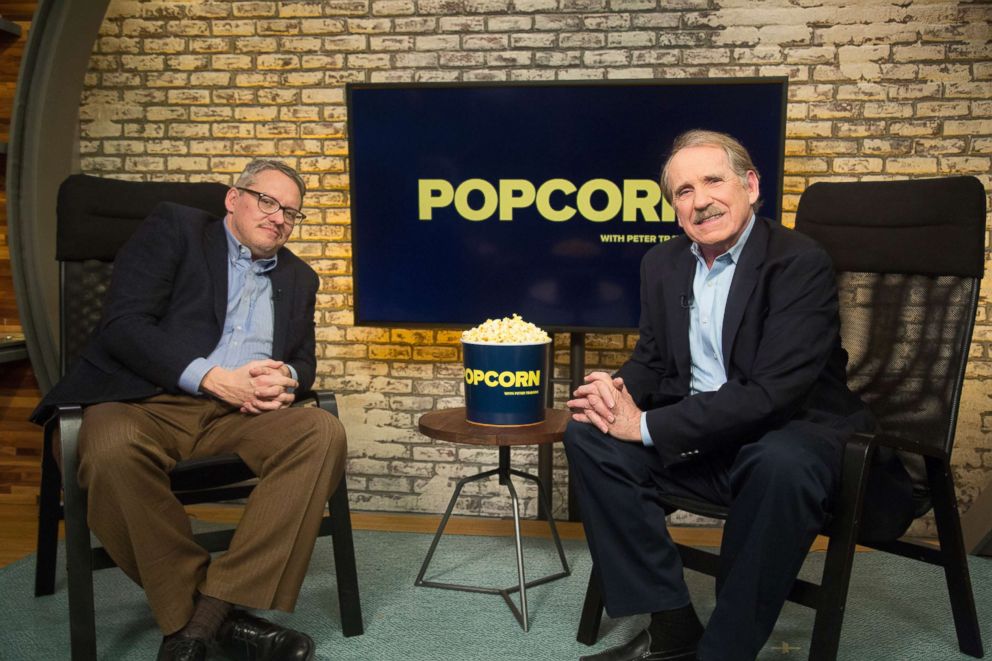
(95, 217)
(909, 257)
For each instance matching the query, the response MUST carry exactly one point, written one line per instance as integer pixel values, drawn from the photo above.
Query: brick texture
(192, 90)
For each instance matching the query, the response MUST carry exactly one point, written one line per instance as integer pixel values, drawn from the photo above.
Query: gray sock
(208, 614)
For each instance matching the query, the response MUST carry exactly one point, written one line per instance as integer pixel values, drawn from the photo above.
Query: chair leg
(953, 557)
(79, 557)
(344, 562)
(840, 552)
(48, 519)
(592, 611)
(833, 597)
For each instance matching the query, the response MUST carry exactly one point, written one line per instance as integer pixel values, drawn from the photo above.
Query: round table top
(451, 425)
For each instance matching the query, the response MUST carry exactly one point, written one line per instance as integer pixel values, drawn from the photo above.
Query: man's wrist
(191, 380)
(207, 381)
(645, 433)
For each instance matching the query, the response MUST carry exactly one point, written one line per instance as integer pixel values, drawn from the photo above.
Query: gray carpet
(897, 609)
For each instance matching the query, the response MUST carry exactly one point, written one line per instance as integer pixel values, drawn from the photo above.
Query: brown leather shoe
(244, 637)
(182, 648)
(639, 649)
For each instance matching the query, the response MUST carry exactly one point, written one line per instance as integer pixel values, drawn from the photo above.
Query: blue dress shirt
(248, 322)
(710, 289)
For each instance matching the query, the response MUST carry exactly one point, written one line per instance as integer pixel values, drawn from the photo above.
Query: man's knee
(323, 446)
(332, 431)
(580, 437)
(325, 435)
(592, 453)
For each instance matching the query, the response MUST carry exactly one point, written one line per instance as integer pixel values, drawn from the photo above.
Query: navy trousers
(779, 490)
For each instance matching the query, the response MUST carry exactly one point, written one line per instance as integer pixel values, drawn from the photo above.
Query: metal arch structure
(43, 150)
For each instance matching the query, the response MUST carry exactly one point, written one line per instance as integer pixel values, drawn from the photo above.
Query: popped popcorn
(508, 330)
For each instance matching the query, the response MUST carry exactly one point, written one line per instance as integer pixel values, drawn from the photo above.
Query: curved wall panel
(43, 151)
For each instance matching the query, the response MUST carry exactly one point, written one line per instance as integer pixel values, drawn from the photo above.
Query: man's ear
(752, 187)
(230, 199)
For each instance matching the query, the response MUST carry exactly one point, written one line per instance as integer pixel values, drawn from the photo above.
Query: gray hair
(737, 156)
(260, 165)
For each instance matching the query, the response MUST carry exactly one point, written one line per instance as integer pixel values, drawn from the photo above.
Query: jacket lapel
(215, 246)
(745, 278)
(282, 291)
(677, 297)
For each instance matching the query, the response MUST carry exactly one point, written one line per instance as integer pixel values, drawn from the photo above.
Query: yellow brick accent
(389, 352)
(435, 354)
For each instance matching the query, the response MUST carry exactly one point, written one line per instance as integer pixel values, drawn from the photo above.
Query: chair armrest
(930, 460)
(845, 524)
(324, 399)
(66, 420)
(859, 450)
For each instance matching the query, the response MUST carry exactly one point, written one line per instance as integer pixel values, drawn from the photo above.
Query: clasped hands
(255, 387)
(605, 402)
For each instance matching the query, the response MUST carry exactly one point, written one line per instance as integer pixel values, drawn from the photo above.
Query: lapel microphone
(685, 301)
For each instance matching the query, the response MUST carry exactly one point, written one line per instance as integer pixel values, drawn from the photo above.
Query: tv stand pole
(576, 373)
(545, 453)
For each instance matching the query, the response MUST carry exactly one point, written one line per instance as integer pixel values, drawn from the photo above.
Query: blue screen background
(449, 271)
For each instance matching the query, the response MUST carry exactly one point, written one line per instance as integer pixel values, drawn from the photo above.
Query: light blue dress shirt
(248, 322)
(710, 289)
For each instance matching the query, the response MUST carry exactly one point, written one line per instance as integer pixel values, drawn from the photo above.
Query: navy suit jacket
(166, 306)
(781, 349)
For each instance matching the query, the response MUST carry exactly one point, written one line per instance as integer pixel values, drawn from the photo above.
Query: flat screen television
(476, 201)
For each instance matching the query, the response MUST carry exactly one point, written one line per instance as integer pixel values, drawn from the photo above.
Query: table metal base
(504, 472)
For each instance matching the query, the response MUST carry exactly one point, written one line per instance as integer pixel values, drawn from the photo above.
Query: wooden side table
(451, 425)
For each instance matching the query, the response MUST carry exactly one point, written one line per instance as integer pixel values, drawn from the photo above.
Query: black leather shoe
(639, 649)
(182, 648)
(245, 637)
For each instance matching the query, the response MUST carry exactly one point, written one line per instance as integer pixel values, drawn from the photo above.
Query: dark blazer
(166, 306)
(781, 348)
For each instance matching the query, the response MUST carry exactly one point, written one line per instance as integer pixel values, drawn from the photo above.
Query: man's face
(712, 204)
(262, 233)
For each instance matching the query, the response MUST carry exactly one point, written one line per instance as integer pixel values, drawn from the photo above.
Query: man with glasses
(207, 332)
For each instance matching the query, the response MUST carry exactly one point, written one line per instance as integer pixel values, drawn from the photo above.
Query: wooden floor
(18, 527)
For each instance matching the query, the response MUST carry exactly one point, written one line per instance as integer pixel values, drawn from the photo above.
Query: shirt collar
(237, 252)
(733, 254)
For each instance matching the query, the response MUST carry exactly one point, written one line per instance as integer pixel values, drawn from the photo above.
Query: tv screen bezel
(350, 88)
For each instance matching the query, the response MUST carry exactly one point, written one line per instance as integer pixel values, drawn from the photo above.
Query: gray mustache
(705, 214)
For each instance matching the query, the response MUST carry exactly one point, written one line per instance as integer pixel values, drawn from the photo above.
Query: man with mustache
(735, 393)
(207, 332)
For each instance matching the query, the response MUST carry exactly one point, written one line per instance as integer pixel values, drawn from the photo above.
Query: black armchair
(95, 217)
(909, 257)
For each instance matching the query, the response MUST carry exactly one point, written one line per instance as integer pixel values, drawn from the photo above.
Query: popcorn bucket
(505, 384)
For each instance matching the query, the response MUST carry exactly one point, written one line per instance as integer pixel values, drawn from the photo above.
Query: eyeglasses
(269, 205)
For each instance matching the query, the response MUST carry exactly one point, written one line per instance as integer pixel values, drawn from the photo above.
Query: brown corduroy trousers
(126, 452)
